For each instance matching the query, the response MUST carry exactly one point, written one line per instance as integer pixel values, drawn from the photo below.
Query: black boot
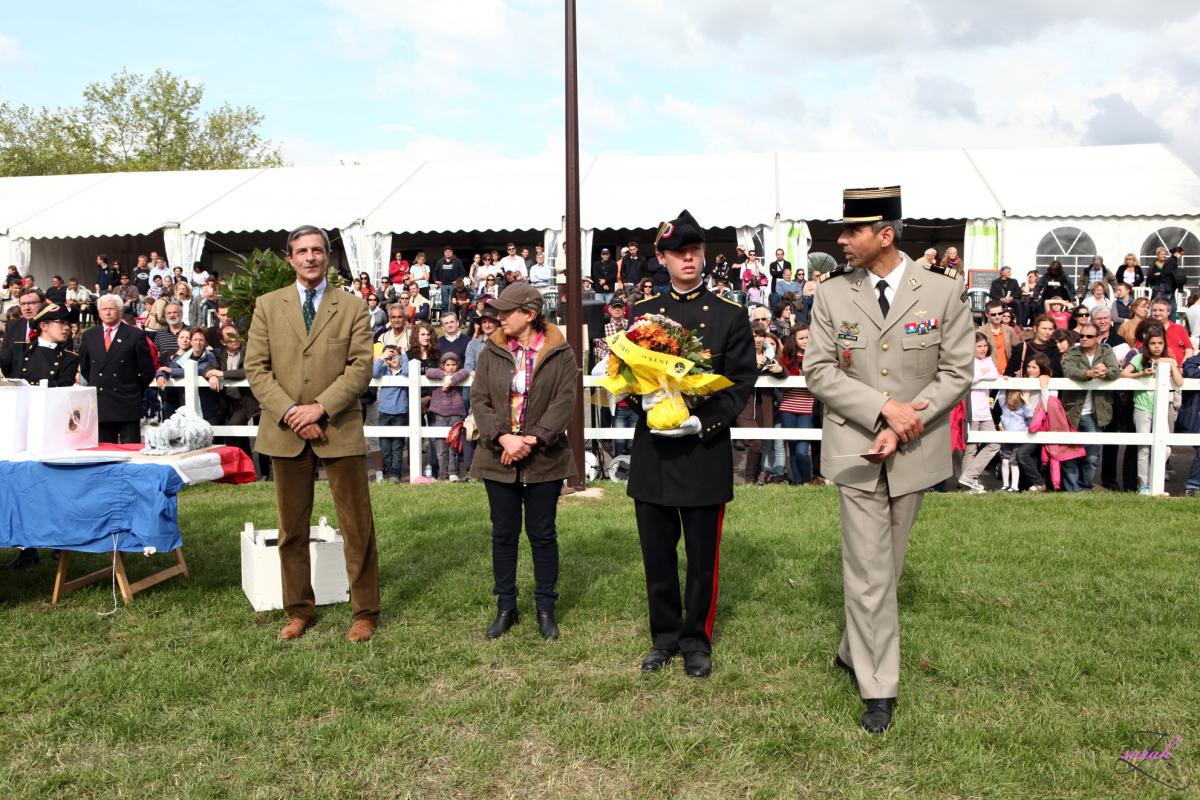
(547, 625)
(505, 619)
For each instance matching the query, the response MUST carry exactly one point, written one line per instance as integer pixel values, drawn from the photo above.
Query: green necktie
(310, 311)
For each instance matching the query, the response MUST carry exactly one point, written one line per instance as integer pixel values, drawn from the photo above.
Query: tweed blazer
(330, 365)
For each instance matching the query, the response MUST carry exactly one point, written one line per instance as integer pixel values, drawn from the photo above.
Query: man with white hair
(928, 259)
(115, 358)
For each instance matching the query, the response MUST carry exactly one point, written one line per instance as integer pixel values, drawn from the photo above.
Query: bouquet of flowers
(658, 354)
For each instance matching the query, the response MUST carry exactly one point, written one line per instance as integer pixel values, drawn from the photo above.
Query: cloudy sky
(376, 80)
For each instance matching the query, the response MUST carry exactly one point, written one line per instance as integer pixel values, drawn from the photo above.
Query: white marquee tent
(1016, 206)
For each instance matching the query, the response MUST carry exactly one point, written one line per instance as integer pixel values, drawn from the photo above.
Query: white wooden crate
(262, 578)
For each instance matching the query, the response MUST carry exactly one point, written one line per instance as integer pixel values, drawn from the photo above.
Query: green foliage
(261, 272)
(133, 123)
(1034, 649)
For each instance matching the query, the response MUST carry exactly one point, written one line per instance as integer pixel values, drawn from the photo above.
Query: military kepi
(870, 205)
(678, 233)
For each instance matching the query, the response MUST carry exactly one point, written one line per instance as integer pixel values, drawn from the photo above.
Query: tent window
(1072, 247)
(822, 262)
(1172, 237)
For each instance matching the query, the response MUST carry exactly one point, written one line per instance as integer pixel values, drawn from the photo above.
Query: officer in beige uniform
(889, 354)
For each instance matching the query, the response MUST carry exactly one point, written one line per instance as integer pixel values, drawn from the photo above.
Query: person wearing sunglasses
(1087, 411)
(1001, 336)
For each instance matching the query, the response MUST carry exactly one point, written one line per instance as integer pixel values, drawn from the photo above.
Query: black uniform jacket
(35, 363)
(696, 470)
(120, 374)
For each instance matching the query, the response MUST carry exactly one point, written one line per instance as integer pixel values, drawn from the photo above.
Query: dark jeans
(541, 505)
(624, 418)
(392, 447)
(1029, 458)
(1193, 478)
(1077, 473)
(800, 461)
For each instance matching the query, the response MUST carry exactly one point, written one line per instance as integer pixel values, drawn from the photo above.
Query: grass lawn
(1041, 634)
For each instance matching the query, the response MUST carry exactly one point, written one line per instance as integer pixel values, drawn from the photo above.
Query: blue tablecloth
(80, 507)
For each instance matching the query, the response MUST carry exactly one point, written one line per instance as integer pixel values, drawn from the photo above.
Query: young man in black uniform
(684, 476)
(44, 358)
(47, 357)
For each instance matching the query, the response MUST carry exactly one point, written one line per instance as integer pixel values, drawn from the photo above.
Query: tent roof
(642, 191)
(285, 198)
(129, 203)
(1116, 181)
(500, 195)
(618, 191)
(935, 184)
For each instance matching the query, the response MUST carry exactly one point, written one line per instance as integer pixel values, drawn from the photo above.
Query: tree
(133, 123)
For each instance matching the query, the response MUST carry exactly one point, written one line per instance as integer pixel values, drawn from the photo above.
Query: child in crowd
(447, 408)
(1141, 365)
(393, 409)
(1016, 411)
(980, 417)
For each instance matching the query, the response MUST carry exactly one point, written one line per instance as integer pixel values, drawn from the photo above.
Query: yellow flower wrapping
(670, 413)
(654, 371)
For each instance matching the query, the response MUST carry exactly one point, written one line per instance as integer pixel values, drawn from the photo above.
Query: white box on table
(14, 410)
(62, 419)
(262, 578)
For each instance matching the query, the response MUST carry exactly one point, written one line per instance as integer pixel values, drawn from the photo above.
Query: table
(127, 506)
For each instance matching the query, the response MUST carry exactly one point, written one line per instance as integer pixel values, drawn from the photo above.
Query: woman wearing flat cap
(522, 397)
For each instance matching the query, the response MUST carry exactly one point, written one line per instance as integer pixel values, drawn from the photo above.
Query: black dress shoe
(505, 619)
(25, 558)
(547, 625)
(656, 659)
(697, 664)
(844, 667)
(878, 716)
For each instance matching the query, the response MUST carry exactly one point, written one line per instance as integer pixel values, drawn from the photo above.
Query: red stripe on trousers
(712, 609)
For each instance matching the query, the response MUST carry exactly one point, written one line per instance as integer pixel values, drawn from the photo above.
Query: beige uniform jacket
(330, 365)
(856, 360)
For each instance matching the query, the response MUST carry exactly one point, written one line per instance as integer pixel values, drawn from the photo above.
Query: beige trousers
(875, 531)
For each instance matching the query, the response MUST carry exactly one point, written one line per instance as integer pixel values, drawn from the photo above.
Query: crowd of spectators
(432, 317)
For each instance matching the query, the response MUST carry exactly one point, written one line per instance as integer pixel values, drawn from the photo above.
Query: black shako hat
(678, 233)
(861, 206)
(51, 313)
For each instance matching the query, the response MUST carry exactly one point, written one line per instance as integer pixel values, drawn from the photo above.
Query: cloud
(941, 95)
(768, 74)
(10, 51)
(1118, 121)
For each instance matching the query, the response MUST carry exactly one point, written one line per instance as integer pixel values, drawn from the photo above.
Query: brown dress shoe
(361, 631)
(295, 628)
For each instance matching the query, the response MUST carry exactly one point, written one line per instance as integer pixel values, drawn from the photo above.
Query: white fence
(1160, 439)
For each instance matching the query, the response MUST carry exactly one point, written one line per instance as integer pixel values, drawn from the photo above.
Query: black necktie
(884, 305)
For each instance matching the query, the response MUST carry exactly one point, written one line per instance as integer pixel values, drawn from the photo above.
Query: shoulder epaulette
(645, 299)
(840, 269)
(733, 303)
(949, 272)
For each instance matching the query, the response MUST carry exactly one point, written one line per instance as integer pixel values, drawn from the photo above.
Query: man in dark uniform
(684, 476)
(115, 358)
(47, 357)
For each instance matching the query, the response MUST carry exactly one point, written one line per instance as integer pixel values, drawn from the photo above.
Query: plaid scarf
(518, 393)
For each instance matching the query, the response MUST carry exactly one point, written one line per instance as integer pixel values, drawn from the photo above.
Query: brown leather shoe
(295, 628)
(361, 631)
